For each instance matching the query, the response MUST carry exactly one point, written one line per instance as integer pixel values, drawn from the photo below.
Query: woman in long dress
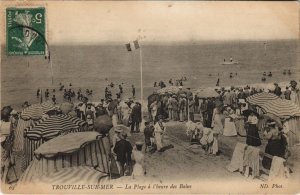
(159, 129)
(139, 169)
(276, 144)
(229, 127)
(252, 131)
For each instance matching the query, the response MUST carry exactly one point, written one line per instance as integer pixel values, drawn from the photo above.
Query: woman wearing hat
(295, 93)
(276, 144)
(252, 131)
(139, 168)
(159, 129)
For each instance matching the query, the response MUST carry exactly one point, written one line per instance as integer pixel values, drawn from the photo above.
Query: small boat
(289, 72)
(270, 74)
(234, 62)
(263, 79)
(264, 74)
(284, 72)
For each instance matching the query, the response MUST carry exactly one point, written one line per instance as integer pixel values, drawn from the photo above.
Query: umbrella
(36, 111)
(169, 89)
(53, 126)
(261, 98)
(103, 124)
(274, 118)
(122, 128)
(206, 93)
(281, 108)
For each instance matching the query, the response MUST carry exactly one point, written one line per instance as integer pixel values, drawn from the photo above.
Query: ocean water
(88, 66)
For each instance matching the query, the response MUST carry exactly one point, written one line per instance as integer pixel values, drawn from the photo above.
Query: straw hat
(118, 130)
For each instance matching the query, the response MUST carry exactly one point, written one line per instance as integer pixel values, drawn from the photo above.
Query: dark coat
(123, 149)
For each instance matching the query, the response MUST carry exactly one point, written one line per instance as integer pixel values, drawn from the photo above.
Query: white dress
(158, 131)
(138, 169)
(229, 127)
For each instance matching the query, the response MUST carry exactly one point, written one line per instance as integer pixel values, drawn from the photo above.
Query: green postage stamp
(25, 31)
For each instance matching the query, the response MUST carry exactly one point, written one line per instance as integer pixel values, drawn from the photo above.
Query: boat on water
(233, 62)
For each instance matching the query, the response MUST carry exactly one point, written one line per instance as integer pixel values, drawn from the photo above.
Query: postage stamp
(25, 31)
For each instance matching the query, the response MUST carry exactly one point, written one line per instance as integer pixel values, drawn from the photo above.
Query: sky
(106, 21)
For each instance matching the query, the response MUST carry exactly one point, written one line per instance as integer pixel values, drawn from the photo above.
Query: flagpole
(51, 70)
(141, 69)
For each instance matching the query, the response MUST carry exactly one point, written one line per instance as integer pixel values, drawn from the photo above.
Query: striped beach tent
(71, 150)
(261, 98)
(52, 126)
(75, 175)
(282, 108)
(36, 111)
(72, 178)
(48, 128)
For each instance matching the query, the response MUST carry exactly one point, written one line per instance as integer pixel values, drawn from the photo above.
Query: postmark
(25, 32)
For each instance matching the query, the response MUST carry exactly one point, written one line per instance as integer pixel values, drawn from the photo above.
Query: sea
(95, 66)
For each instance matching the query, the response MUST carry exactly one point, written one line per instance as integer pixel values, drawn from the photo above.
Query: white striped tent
(261, 98)
(48, 128)
(52, 126)
(69, 176)
(71, 150)
(75, 175)
(281, 107)
(36, 111)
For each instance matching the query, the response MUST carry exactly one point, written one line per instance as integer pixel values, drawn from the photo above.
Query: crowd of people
(226, 114)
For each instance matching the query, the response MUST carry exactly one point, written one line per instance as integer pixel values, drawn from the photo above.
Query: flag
(128, 47)
(136, 44)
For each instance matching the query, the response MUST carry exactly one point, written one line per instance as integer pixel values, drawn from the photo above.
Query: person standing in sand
(139, 168)
(123, 150)
(159, 130)
(295, 93)
(133, 91)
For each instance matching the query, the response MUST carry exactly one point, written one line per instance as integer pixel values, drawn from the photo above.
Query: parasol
(282, 108)
(36, 111)
(52, 126)
(261, 98)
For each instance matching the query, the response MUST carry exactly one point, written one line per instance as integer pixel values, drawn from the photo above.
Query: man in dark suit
(123, 150)
(136, 116)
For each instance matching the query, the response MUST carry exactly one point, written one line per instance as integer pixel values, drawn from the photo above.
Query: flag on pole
(131, 47)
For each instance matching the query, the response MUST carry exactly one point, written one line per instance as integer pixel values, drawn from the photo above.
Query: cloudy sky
(98, 22)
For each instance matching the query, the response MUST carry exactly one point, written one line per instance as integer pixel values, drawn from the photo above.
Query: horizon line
(198, 42)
